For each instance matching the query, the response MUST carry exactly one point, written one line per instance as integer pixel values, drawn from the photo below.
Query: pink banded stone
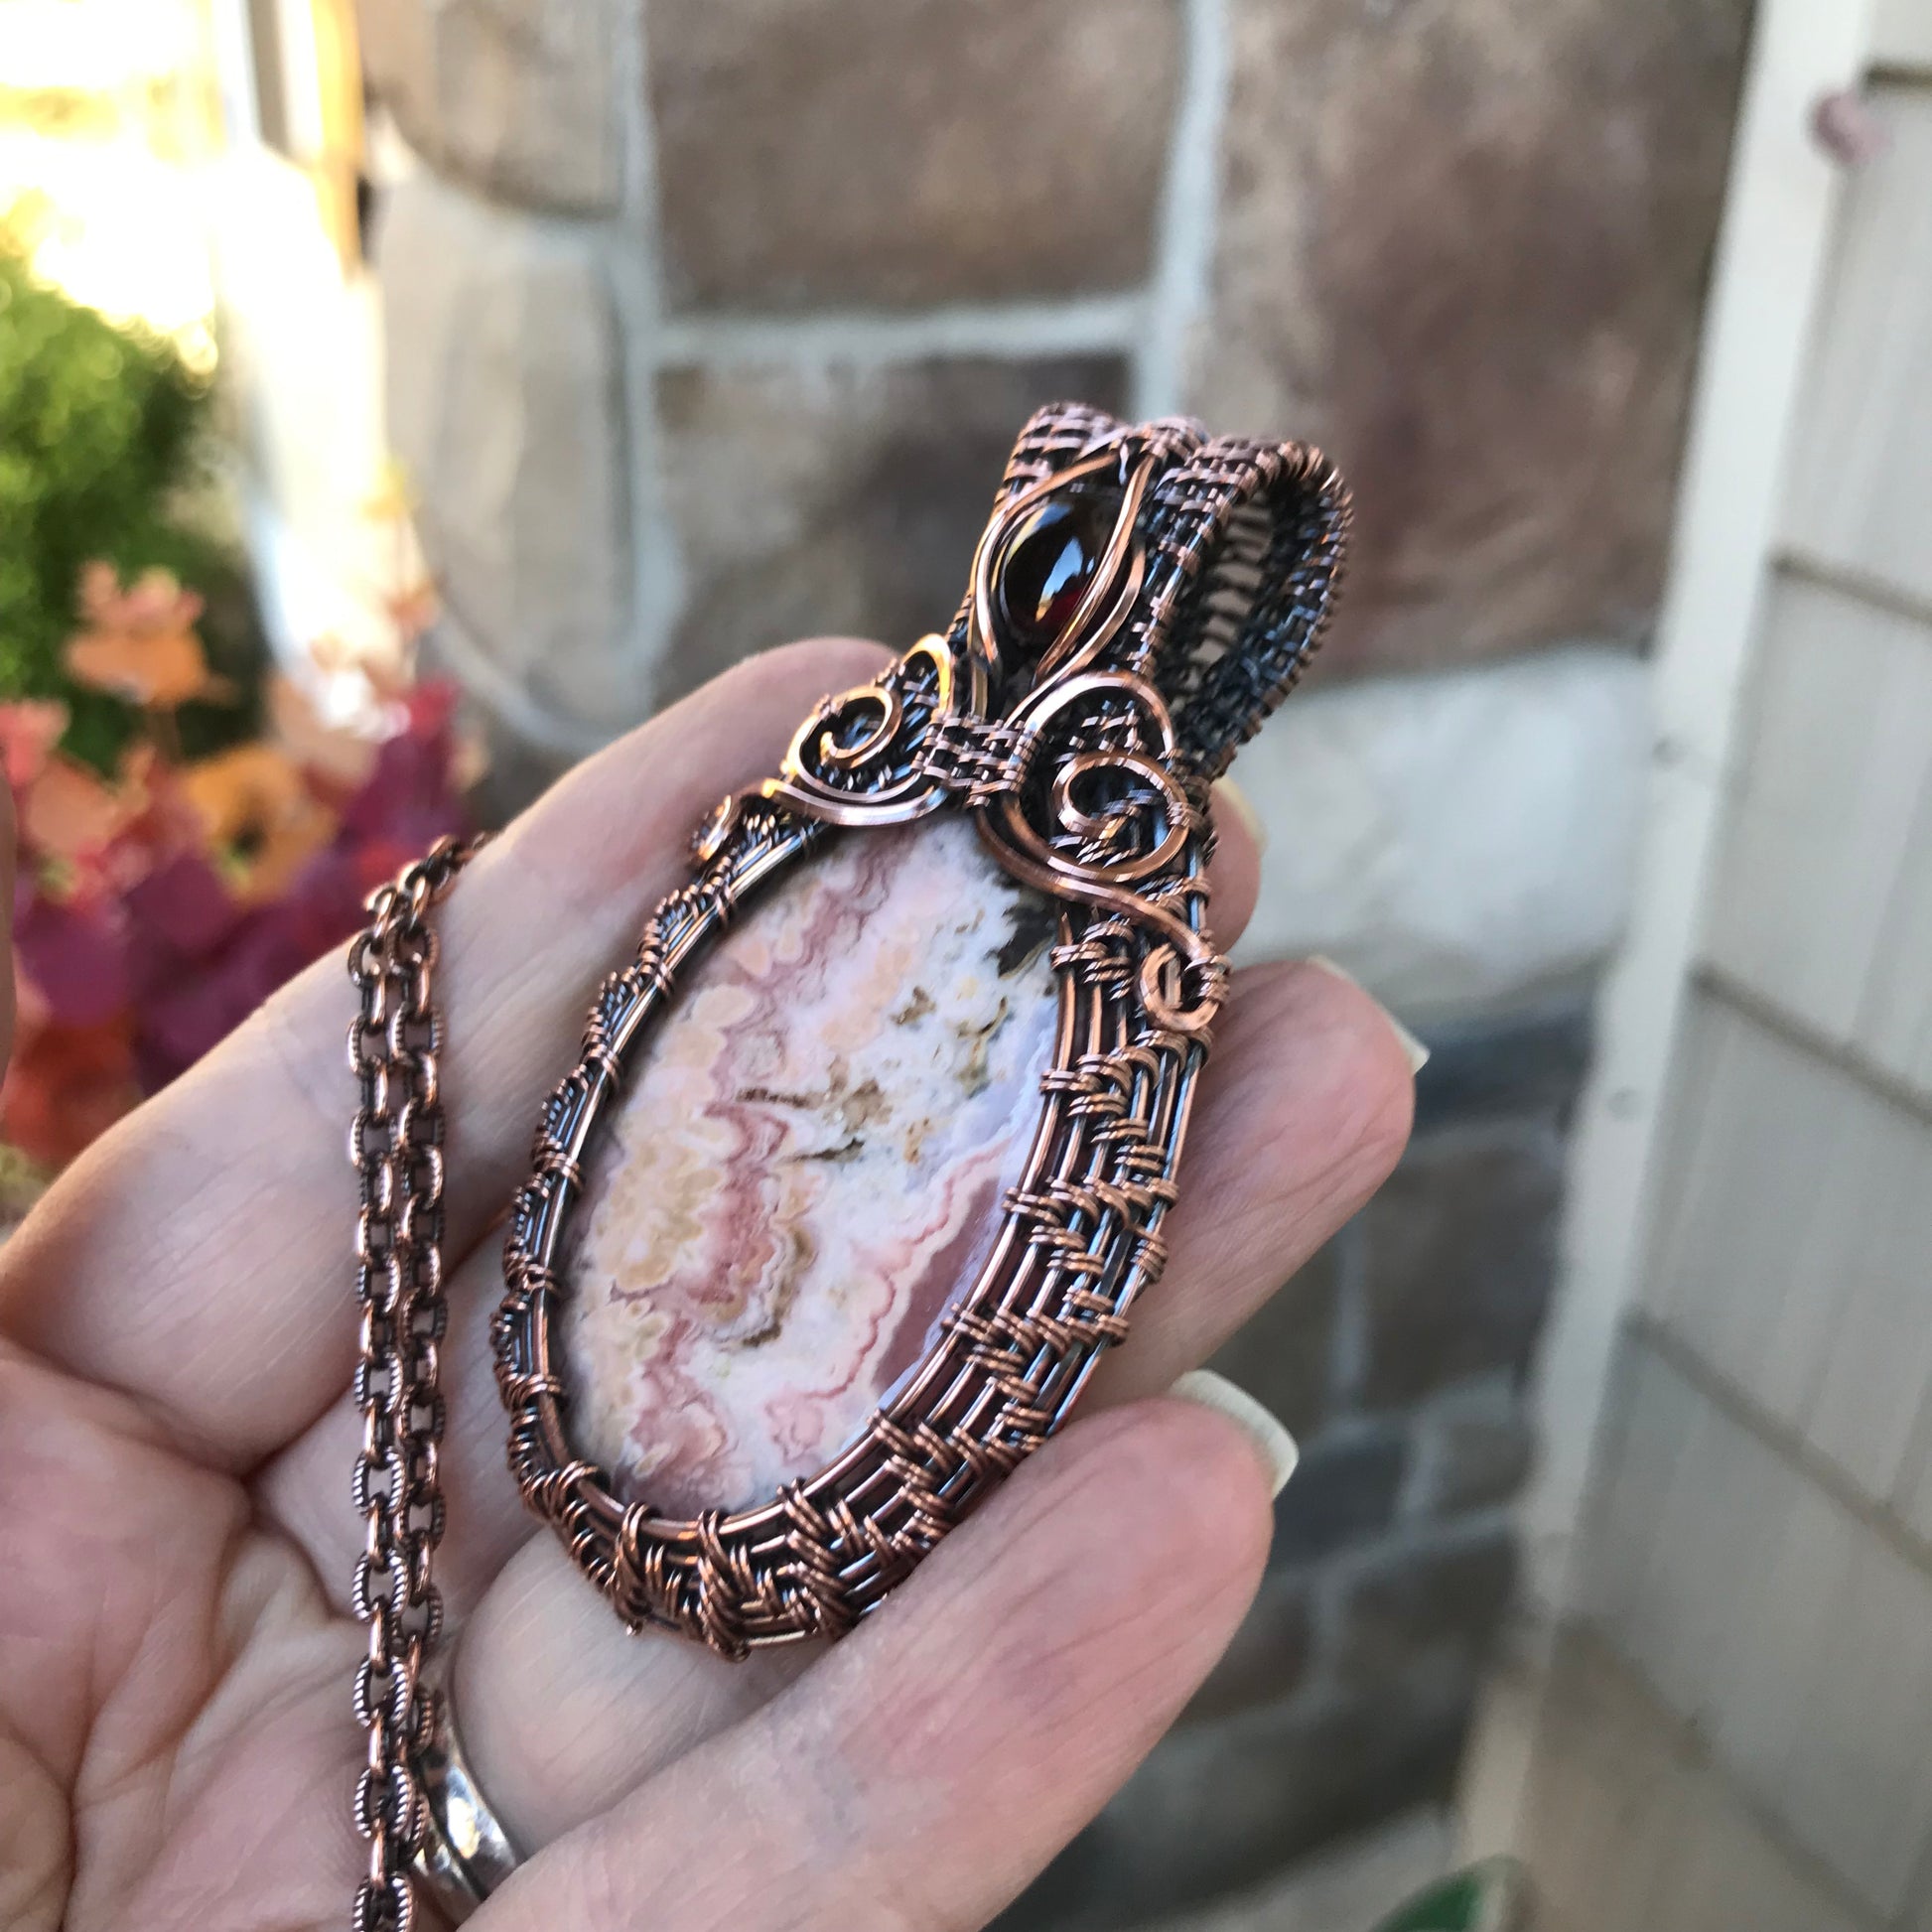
(807, 1166)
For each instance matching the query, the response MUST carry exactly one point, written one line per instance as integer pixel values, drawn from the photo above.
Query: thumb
(935, 1762)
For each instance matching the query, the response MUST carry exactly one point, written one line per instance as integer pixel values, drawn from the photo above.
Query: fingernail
(1278, 1447)
(1413, 1048)
(1242, 806)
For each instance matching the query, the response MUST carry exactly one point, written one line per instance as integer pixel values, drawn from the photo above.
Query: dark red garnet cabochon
(1047, 565)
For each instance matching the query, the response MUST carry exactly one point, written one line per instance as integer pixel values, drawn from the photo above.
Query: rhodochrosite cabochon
(868, 1151)
(807, 1166)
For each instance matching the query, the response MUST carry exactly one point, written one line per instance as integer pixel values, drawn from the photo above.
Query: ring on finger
(465, 1854)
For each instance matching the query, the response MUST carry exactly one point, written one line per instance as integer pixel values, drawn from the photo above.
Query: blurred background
(398, 402)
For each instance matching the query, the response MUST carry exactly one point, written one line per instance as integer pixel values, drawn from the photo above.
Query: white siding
(1859, 493)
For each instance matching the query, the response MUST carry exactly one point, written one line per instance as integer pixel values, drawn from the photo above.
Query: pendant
(868, 1154)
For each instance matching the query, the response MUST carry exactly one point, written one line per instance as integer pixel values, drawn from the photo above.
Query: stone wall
(709, 324)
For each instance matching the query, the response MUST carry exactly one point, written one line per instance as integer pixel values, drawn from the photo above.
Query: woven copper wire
(1223, 563)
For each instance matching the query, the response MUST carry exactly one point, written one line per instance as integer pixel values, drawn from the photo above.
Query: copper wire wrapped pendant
(1139, 601)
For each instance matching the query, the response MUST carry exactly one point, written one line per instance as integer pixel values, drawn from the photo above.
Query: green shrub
(102, 439)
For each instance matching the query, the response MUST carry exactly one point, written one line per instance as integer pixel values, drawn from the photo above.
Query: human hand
(177, 1429)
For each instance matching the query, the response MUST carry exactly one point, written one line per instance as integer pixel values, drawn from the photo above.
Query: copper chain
(396, 1148)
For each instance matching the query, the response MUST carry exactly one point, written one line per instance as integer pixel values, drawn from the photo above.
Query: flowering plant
(106, 449)
(157, 905)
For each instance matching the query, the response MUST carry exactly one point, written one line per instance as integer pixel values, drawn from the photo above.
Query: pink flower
(29, 731)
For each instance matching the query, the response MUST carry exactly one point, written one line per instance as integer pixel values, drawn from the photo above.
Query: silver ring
(466, 1854)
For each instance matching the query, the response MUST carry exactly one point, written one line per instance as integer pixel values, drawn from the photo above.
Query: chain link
(396, 1149)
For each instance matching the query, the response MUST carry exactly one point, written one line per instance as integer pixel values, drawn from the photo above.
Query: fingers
(563, 1710)
(933, 1762)
(1235, 874)
(199, 1256)
(1304, 1111)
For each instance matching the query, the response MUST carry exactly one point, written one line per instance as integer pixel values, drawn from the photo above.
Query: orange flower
(158, 820)
(139, 642)
(412, 610)
(72, 815)
(260, 814)
(386, 674)
(391, 500)
(338, 758)
(29, 731)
